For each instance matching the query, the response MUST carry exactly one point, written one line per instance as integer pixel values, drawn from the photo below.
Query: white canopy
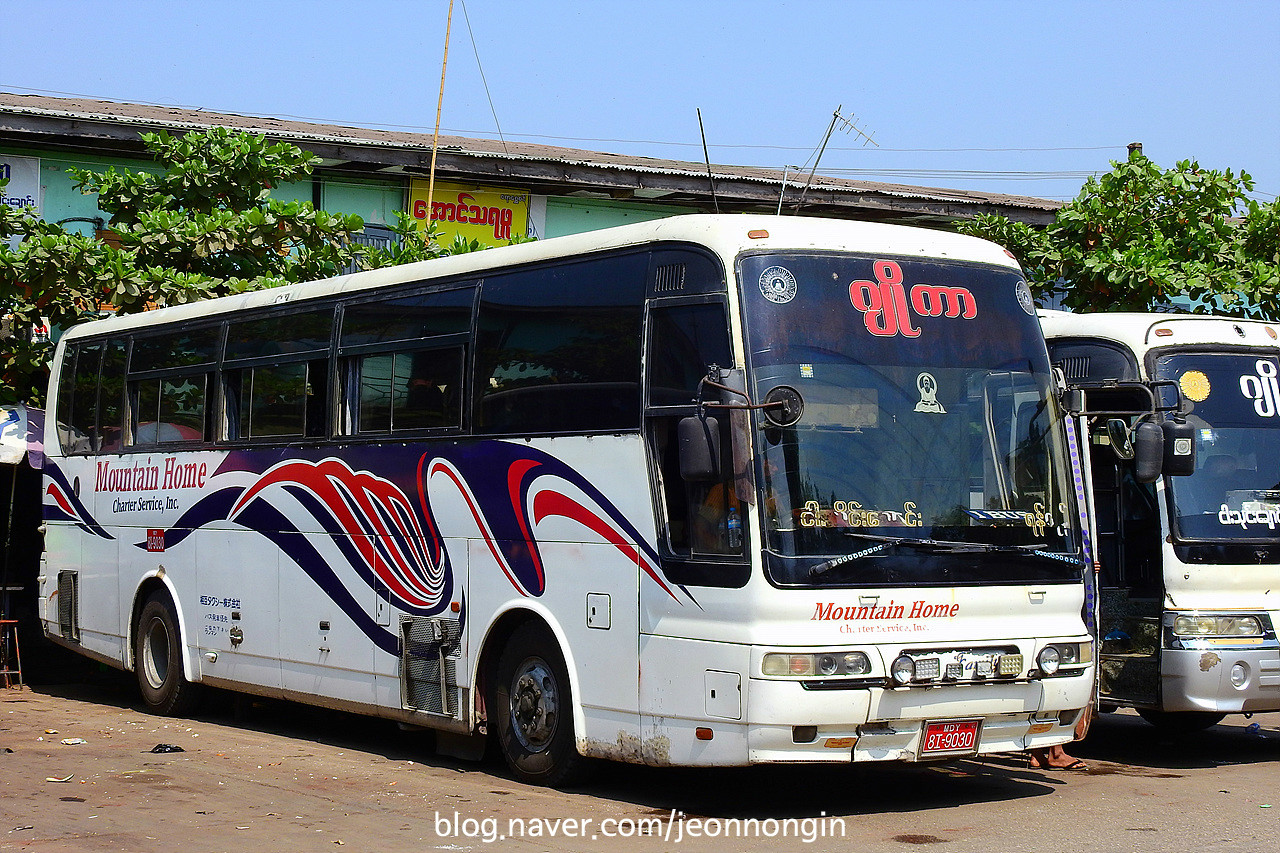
(21, 434)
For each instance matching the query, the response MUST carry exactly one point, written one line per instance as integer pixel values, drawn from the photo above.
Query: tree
(1139, 237)
(203, 225)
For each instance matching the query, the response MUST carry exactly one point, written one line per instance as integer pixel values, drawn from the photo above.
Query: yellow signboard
(492, 216)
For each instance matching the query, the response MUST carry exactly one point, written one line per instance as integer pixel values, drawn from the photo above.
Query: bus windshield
(1234, 493)
(930, 449)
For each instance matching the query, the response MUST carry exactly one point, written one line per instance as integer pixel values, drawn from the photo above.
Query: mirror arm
(714, 383)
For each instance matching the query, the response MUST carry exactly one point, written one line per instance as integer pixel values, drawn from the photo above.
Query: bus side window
(276, 373)
(171, 409)
(84, 404)
(171, 399)
(558, 348)
(111, 401)
(409, 390)
(684, 338)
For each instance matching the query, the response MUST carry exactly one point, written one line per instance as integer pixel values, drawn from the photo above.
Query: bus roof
(1141, 332)
(726, 234)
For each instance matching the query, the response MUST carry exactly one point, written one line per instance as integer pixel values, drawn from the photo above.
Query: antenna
(848, 125)
(706, 156)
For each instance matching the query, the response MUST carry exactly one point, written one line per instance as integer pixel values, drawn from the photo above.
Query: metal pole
(435, 137)
(8, 544)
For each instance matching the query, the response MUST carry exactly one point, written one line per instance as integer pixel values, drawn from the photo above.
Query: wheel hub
(534, 705)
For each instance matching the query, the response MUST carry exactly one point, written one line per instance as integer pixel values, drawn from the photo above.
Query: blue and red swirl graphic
(350, 529)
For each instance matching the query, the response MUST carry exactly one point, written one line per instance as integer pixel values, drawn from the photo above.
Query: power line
(932, 174)
(481, 133)
(480, 67)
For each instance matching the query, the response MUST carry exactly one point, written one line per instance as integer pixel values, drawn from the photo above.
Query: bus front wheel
(532, 710)
(1181, 722)
(158, 660)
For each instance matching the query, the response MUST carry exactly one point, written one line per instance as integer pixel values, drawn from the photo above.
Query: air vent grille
(669, 278)
(69, 605)
(429, 665)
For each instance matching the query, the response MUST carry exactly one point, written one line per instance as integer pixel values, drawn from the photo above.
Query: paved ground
(282, 777)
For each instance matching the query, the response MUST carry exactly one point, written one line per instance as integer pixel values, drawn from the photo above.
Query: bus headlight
(1057, 655)
(834, 664)
(902, 670)
(1049, 659)
(1217, 626)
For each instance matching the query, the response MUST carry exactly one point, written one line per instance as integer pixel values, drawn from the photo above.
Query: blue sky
(1013, 97)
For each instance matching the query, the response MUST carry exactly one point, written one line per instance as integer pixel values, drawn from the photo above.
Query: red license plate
(950, 737)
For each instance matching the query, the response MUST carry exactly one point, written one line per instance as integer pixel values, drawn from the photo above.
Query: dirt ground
(78, 773)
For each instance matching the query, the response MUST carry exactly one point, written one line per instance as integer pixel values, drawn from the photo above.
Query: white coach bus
(1188, 565)
(704, 491)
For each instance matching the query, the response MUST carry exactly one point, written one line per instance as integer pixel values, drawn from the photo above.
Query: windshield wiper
(941, 546)
(886, 542)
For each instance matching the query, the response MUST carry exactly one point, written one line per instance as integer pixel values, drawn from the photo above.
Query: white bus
(1188, 565)
(713, 490)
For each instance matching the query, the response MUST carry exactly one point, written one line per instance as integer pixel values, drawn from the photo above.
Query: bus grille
(428, 665)
(69, 606)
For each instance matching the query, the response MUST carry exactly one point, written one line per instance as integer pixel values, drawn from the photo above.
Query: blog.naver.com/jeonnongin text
(674, 827)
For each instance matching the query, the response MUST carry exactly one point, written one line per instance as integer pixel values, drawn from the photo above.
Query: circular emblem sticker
(777, 284)
(1024, 298)
(1195, 385)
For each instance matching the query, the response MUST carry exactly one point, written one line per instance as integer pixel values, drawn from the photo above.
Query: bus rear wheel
(1181, 722)
(157, 661)
(532, 710)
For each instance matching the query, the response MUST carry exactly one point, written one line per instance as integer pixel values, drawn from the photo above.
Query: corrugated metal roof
(183, 118)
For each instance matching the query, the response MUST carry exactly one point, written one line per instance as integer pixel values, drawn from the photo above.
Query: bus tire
(1181, 722)
(157, 661)
(532, 710)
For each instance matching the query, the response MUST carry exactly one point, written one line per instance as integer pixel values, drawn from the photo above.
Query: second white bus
(1189, 587)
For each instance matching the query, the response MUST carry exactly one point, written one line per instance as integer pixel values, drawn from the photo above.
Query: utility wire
(452, 130)
(479, 66)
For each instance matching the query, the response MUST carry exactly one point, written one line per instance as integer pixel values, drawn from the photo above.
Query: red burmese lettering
(937, 301)
(883, 303)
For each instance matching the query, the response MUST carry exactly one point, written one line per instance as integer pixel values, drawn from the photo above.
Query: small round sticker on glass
(777, 284)
(1195, 386)
(1024, 298)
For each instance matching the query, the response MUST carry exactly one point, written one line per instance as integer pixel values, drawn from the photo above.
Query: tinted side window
(84, 403)
(171, 409)
(683, 340)
(411, 390)
(408, 318)
(71, 438)
(558, 348)
(282, 400)
(111, 408)
(175, 349)
(280, 334)
(91, 396)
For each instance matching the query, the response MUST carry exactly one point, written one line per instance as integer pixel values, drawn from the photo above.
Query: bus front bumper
(1010, 718)
(1223, 680)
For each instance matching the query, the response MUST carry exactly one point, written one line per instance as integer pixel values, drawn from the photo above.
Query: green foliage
(209, 212)
(415, 242)
(1139, 236)
(203, 225)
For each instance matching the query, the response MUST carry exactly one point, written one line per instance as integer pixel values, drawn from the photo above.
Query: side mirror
(1148, 452)
(1118, 435)
(1179, 448)
(699, 445)
(1073, 400)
